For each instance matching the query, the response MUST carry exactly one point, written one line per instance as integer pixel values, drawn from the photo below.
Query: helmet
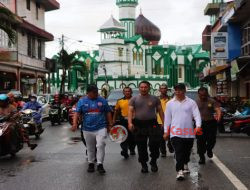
(33, 96)
(3, 97)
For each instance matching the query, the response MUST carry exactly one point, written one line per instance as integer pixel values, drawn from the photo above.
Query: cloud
(180, 21)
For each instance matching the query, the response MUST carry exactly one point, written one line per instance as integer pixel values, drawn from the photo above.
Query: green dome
(121, 2)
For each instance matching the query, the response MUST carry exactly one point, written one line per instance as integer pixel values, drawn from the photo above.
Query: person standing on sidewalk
(121, 109)
(145, 127)
(97, 120)
(164, 99)
(178, 123)
(207, 107)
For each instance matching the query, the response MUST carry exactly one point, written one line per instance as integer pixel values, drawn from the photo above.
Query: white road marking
(234, 180)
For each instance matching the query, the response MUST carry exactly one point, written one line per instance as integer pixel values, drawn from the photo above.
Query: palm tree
(7, 19)
(66, 61)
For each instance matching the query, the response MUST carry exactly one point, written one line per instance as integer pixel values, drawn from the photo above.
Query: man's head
(4, 100)
(163, 89)
(180, 90)
(127, 91)
(11, 97)
(33, 98)
(92, 91)
(144, 88)
(203, 93)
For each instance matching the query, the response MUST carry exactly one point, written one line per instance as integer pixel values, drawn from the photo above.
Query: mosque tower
(127, 11)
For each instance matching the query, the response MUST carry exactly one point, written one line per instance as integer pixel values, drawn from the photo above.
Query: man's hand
(73, 128)
(166, 136)
(131, 127)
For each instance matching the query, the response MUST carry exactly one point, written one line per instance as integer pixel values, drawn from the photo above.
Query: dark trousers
(207, 140)
(129, 143)
(147, 132)
(163, 148)
(182, 148)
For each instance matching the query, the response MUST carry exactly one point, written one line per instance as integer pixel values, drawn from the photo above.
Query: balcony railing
(32, 63)
(8, 56)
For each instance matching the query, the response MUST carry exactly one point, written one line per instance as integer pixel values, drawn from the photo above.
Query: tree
(7, 19)
(66, 61)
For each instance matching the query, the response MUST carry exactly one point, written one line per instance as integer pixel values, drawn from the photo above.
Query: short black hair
(127, 87)
(204, 89)
(92, 88)
(145, 82)
(180, 86)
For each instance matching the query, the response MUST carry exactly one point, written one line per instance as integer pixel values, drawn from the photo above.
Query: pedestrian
(164, 99)
(96, 122)
(144, 108)
(121, 109)
(178, 123)
(207, 107)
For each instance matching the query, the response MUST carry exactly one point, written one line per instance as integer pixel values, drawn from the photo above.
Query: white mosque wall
(111, 52)
(113, 69)
(112, 41)
(149, 65)
(127, 12)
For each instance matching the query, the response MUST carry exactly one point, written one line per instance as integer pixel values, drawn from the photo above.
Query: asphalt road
(59, 162)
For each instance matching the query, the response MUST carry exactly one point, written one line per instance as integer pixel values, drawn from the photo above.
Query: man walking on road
(121, 109)
(97, 119)
(178, 123)
(207, 107)
(145, 127)
(164, 99)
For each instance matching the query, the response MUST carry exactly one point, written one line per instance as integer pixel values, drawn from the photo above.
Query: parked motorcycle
(11, 140)
(237, 122)
(30, 124)
(55, 115)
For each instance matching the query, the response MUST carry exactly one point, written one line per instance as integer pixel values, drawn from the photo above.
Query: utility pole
(120, 53)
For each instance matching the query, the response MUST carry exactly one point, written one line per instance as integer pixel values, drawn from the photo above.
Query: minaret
(127, 10)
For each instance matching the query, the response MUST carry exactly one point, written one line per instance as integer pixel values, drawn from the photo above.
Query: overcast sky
(180, 21)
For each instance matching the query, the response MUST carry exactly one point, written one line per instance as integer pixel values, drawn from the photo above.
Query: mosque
(129, 52)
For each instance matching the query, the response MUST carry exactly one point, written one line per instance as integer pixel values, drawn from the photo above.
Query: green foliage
(7, 19)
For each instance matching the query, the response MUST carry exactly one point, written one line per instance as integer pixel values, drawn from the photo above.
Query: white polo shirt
(179, 118)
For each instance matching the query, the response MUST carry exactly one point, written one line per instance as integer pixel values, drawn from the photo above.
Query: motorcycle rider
(6, 109)
(56, 104)
(34, 105)
(19, 101)
(12, 100)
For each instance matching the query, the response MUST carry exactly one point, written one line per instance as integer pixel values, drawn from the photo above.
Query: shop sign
(219, 45)
(234, 70)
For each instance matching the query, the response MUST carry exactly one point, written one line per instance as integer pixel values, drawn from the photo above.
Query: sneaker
(180, 175)
(144, 168)
(202, 159)
(210, 154)
(100, 169)
(132, 152)
(186, 170)
(154, 167)
(124, 154)
(91, 168)
(32, 146)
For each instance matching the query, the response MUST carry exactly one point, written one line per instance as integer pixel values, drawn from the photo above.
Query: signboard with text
(219, 45)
